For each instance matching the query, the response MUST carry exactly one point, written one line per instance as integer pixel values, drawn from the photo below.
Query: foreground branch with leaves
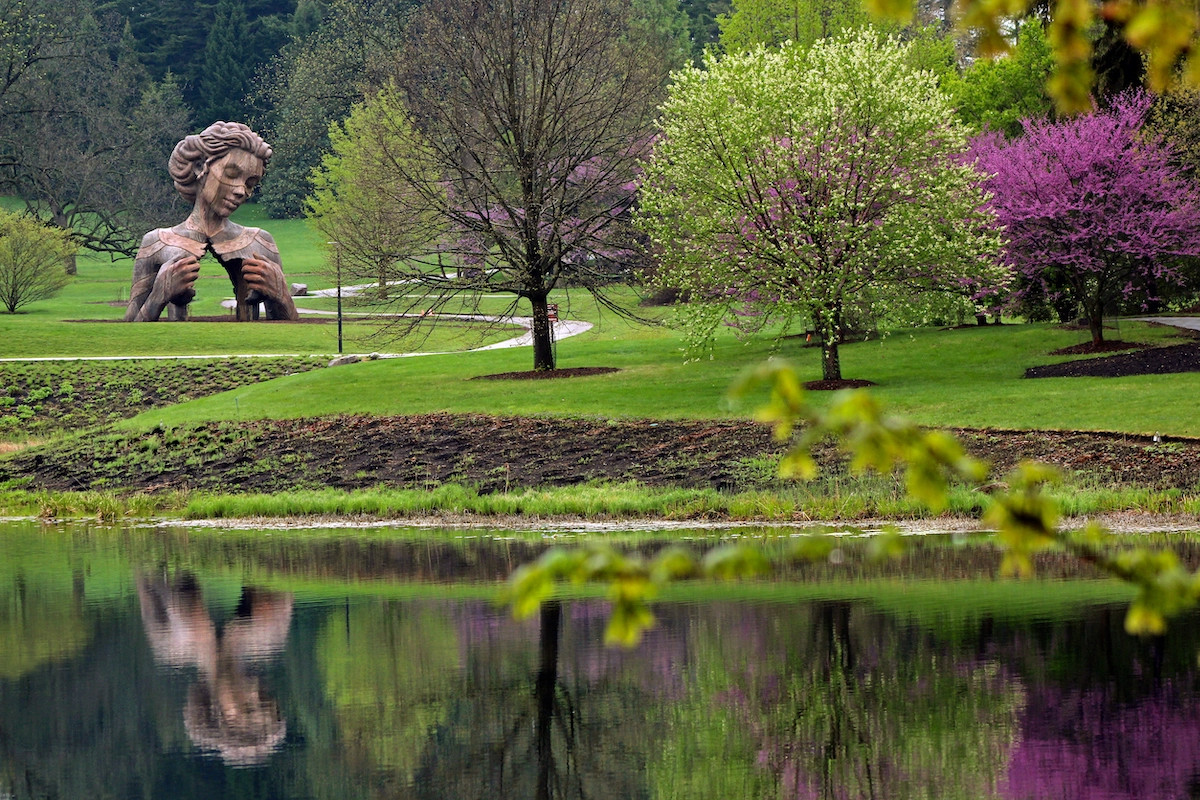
(1024, 518)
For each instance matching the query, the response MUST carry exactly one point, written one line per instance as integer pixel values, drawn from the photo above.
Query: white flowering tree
(815, 183)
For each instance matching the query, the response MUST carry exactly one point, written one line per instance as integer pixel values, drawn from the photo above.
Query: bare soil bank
(495, 454)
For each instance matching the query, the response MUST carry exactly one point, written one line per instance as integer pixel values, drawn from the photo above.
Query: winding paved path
(1191, 323)
(562, 329)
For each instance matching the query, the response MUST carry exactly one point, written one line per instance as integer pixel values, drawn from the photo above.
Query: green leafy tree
(703, 27)
(32, 258)
(664, 21)
(773, 22)
(1175, 116)
(997, 93)
(307, 17)
(818, 184)
(174, 36)
(373, 220)
(314, 82)
(87, 139)
(32, 32)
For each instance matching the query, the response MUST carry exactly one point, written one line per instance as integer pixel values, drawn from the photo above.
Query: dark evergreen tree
(225, 76)
(314, 82)
(173, 36)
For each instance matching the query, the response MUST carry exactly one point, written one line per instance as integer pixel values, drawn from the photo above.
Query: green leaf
(811, 548)
(895, 10)
(1142, 620)
(735, 561)
(629, 620)
(887, 544)
(673, 564)
(528, 588)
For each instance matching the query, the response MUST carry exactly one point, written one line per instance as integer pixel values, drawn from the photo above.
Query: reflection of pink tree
(1083, 745)
(1093, 207)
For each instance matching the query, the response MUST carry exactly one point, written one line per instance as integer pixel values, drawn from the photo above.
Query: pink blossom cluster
(1094, 205)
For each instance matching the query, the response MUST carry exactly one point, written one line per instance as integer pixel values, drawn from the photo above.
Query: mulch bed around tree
(1088, 348)
(1152, 361)
(546, 374)
(831, 386)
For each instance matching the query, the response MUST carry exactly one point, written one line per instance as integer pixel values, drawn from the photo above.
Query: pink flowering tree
(817, 184)
(1093, 208)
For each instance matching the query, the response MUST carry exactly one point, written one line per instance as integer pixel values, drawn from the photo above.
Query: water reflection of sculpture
(227, 711)
(216, 170)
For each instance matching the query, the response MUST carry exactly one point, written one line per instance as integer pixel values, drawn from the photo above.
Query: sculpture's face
(230, 181)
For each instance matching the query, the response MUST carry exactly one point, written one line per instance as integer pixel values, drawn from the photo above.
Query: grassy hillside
(967, 377)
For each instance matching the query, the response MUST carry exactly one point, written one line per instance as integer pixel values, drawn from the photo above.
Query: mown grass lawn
(968, 377)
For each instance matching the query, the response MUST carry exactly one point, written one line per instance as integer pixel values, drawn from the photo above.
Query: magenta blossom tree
(1092, 206)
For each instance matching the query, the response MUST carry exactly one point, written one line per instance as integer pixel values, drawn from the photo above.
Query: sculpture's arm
(263, 272)
(156, 284)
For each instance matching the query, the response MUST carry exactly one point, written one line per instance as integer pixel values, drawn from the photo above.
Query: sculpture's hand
(177, 278)
(266, 277)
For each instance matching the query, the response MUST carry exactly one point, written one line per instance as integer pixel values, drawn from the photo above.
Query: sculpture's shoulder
(151, 244)
(241, 242)
(160, 239)
(265, 239)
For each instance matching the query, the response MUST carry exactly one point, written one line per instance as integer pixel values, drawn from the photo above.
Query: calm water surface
(176, 663)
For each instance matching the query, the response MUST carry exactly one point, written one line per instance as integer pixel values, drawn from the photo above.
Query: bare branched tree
(525, 121)
(84, 138)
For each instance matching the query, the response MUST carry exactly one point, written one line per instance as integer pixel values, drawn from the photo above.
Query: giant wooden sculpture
(215, 170)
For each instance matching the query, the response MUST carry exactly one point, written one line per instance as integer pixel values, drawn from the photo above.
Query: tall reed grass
(834, 500)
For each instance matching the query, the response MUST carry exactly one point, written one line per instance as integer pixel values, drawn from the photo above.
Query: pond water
(192, 663)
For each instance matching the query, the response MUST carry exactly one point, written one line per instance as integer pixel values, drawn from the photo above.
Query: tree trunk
(1096, 323)
(829, 323)
(543, 335)
(545, 686)
(61, 220)
(831, 363)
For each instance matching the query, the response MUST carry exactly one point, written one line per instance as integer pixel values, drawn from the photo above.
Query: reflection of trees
(1086, 744)
(37, 627)
(389, 671)
(432, 698)
(842, 704)
(440, 701)
(227, 710)
(559, 719)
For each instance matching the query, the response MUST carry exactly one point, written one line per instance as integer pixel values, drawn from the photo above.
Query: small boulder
(299, 290)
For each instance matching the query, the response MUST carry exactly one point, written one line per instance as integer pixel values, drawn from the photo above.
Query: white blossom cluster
(819, 184)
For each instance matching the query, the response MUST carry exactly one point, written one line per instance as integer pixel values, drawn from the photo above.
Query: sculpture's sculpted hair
(190, 159)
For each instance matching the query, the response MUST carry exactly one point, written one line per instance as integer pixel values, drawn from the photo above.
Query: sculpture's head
(221, 165)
